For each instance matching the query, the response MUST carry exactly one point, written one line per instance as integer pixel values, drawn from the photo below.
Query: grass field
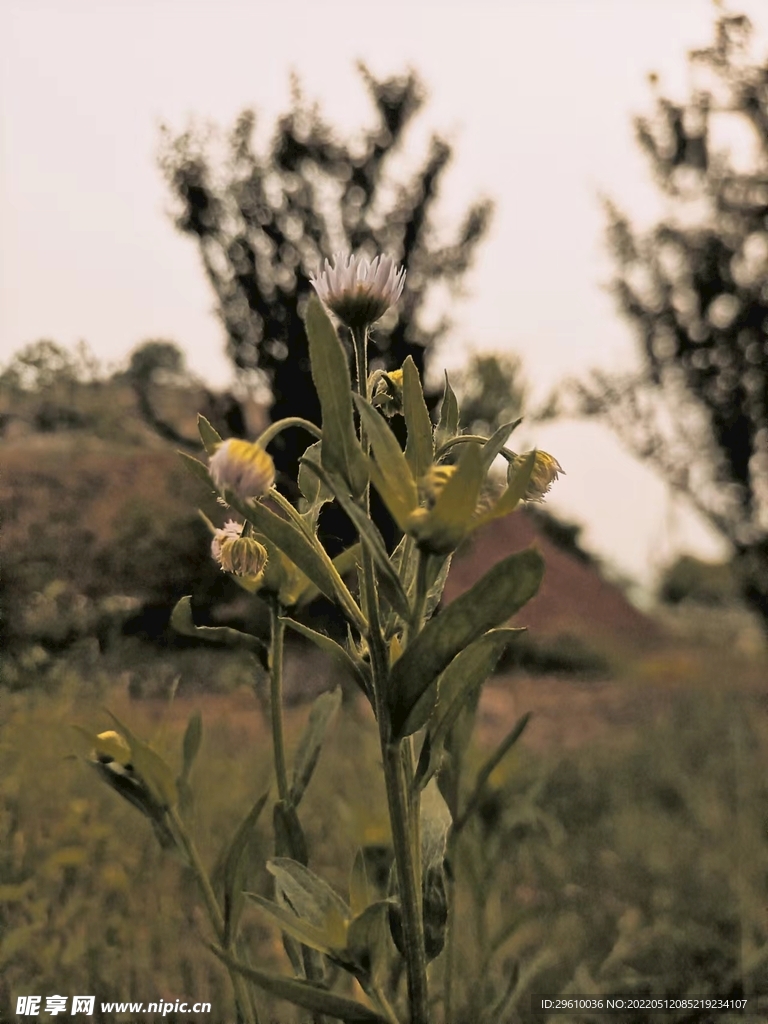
(622, 846)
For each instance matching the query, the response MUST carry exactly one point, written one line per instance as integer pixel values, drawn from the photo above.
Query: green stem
(245, 1010)
(360, 337)
(507, 453)
(398, 798)
(277, 635)
(394, 756)
(450, 944)
(290, 421)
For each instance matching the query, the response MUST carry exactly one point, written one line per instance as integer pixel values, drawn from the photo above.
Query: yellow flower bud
(244, 557)
(546, 470)
(388, 392)
(243, 467)
(112, 747)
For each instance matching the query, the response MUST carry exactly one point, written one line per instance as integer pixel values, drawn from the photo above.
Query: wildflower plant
(420, 671)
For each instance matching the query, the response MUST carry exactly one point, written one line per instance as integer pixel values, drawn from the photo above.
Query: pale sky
(87, 250)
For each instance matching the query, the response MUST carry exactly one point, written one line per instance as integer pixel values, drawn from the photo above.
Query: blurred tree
(692, 579)
(266, 221)
(695, 287)
(491, 391)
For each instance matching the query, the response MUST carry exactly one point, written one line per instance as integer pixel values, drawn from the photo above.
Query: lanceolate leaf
(330, 647)
(341, 452)
(312, 899)
(211, 438)
(182, 622)
(390, 473)
(493, 445)
(304, 993)
(465, 674)
(491, 764)
(309, 934)
(450, 518)
(388, 578)
(193, 736)
(321, 715)
(419, 450)
(489, 603)
(233, 869)
(293, 543)
(343, 563)
(448, 424)
(198, 469)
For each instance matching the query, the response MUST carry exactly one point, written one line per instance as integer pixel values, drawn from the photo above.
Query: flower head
(230, 531)
(357, 290)
(546, 470)
(242, 467)
(244, 556)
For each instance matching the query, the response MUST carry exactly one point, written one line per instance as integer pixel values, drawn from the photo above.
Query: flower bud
(230, 531)
(546, 470)
(388, 392)
(243, 467)
(111, 748)
(244, 557)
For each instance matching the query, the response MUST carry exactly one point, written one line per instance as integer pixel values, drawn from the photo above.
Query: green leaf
(293, 543)
(389, 580)
(289, 835)
(321, 715)
(391, 473)
(331, 648)
(304, 993)
(312, 899)
(311, 486)
(491, 764)
(452, 514)
(341, 452)
(367, 941)
(234, 868)
(344, 563)
(435, 820)
(182, 622)
(305, 932)
(359, 887)
(211, 438)
(193, 736)
(448, 424)
(150, 767)
(419, 450)
(492, 447)
(198, 469)
(501, 592)
(465, 674)
(437, 573)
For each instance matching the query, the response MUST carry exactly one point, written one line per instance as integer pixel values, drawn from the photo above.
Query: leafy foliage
(264, 221)
(694, 289)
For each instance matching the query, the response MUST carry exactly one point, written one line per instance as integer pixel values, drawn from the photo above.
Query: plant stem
(290, 421)
(360, 337)
(246, 1011)
(398, 797)
(277, 634)
(394, 756)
